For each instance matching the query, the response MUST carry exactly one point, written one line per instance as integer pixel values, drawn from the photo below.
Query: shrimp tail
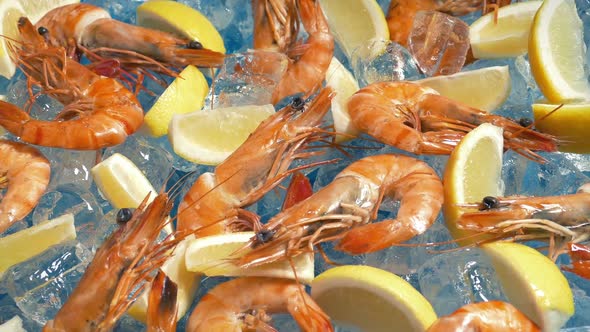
(308, 315)
(12, 118)
(580, 256)
(162, 307)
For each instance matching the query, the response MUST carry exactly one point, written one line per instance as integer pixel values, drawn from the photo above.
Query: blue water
(36, 289)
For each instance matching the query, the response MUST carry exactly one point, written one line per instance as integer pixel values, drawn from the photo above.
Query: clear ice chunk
(395, 64)
(247, 79)
(453, 279)
(439, 43)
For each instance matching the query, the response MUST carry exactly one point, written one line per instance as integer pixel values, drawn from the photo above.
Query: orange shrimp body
(492, 316)
(89, 29)
(309, 70)
(129, 253)
(401, 13)
(162, 310)
(260, 163)
(98, 111)
(343, 209)
(242, 304)
(25, 172)
(417, 119)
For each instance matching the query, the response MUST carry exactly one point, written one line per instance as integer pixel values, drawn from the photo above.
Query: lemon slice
(569, 124)
(182, 20)
(557, 52)
(209, 136)
(185, 94)
(479, 152)
(357, 23)
(371, 299)
(485, 89)
(23, 245)
(532, 283)
(509, 36)
(207, 254)
(15, 324)
(121, 182)
(345, 85)
(186, 282)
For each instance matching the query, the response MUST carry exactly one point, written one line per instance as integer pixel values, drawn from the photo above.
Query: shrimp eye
(194, 45)
(42, 31)
(297, 103)
(489, 202)
(264, 235)
(124, 215)
(525, 122)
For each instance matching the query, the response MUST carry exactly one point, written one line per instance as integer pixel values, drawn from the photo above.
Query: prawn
(127, 256)
(276, 24)
(485, 316)
(90, 30)
(343, 209)
(214, 202)
(580, 255)
(532, 218)
(307, 72)
(98, 111)
(417, 119)
(25, 172)
(401, 13)
(162, 309)
(242, 304)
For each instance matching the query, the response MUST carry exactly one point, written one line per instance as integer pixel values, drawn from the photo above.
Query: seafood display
(376, 195)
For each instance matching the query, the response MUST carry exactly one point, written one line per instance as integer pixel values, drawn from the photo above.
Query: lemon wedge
(182, 20)
(485, 89)
(206, 255)
(121, 182)
(557, 53)
(509, 36)
(10, 12)
(479, 152)
(185, 94)
(345, 85)
(371, 299)
(209, 136)
(15, 324)
(355, 24)
(569, 124)
(186, 282)
(23, 245)
(532, 283)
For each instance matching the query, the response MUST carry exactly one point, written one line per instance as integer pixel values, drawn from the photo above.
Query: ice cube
(581, 290)
(439, 43)
(453, 279)
(8, 312)
(395, 64)
(122, 10)
(247, 79)
(153, 161)
(73, 199)
(70, 166)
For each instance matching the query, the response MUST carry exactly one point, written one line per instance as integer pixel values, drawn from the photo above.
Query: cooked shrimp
(215, 200)
(276, 24)
(243, 304)
(24, 172)
(343, 209)
(127, 257)
(417, 119)
(580, 255)
(496, 316)
(308, 71)
(162, 310)
(298, 190)
(89, 29)
(401, 13)
(98, 111)
(564, 217)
